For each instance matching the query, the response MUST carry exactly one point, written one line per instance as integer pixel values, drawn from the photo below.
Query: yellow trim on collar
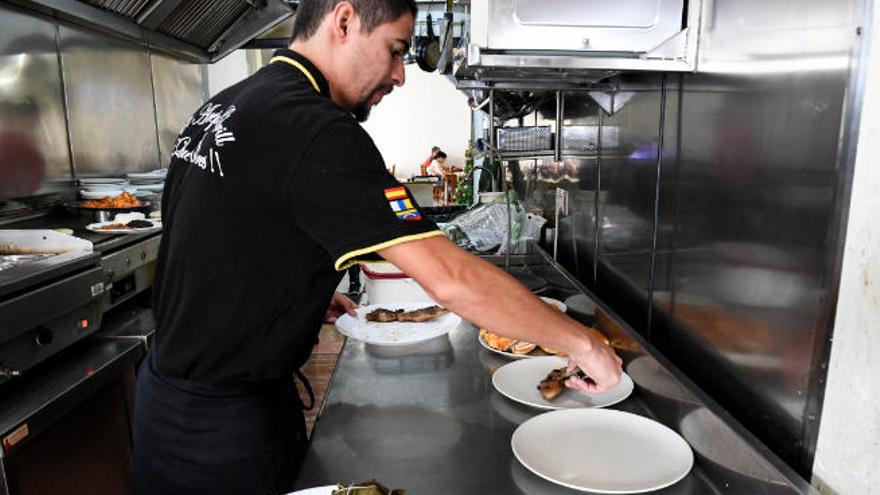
(347, 259)
(301, 67)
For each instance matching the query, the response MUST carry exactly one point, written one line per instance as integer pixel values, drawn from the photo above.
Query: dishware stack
(149, 185)
(101, 187)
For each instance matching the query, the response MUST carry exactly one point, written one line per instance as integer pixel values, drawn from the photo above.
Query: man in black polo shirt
(273, 190)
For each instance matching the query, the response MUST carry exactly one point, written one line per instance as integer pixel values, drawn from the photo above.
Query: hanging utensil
(428, 49)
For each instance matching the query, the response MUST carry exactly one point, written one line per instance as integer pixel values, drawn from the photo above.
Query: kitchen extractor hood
(576, 41)
(197, 30)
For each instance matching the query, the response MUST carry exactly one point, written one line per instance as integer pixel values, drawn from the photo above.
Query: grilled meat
(553, 385)
(423, 314)
(382, 315)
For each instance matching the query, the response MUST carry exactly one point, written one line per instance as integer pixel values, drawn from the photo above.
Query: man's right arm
(487, 296)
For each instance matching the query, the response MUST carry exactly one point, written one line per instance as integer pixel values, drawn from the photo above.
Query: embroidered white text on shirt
(211, 118)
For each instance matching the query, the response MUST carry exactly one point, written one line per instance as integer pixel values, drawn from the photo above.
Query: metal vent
(127, 8)
(201, 22)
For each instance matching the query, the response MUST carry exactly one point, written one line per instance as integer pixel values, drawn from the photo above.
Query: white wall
(227, 71)
(425, 112)
(848, 452)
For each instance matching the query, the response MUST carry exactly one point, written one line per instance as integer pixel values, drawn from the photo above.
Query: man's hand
(338, 305)
(599, 362)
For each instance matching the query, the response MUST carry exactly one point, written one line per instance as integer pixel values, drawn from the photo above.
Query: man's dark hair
(441, 154)
(372, 13)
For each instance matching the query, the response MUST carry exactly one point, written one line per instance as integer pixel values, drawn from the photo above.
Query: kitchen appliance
(49, 297)
(49, 301)
(576, 40)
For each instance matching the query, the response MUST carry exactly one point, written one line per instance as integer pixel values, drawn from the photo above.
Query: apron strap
(297, 374)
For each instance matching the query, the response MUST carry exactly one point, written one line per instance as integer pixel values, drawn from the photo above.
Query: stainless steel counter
(427, 419)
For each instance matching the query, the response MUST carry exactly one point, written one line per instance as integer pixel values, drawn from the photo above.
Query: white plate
(602, 451)
(94, 228)
(536, 353)
(151, 187)
(395, 333)
(155, 174)
(99, 193)
(555, 302)
(101, 180)
(320, 490)
(518, 381)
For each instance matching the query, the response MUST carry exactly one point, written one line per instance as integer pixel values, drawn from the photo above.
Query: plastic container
(386, 283)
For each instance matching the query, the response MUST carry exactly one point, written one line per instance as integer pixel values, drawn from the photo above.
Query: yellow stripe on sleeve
(349, 258)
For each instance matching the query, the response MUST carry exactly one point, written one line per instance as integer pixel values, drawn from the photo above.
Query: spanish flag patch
(401, 205)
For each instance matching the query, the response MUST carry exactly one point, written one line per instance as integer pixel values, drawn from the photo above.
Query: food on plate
(495, 341)
(382, 315)
(515, 346)
(554, 383)
(134, 224)
(112, 226)
(552, 352)
(424, 314)
(522, 347)
(124, 200)
(369, 487)
(139, 224)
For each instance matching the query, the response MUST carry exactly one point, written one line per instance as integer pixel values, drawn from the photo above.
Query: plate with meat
(126, 223)
(539, 382)
(398, 323)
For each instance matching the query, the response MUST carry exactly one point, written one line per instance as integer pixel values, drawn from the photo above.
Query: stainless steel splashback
(752, 215)
(31, 105)
(109, 102)
(180, 88)
(75, 102)
(729, 263)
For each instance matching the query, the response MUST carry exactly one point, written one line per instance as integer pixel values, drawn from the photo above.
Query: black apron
(194, 438)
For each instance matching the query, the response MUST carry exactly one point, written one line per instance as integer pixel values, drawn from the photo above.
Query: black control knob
(43, 337)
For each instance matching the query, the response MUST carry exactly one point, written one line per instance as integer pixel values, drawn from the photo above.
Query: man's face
(375, 64)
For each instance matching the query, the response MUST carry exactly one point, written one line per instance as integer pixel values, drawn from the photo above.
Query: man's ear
(343, 19)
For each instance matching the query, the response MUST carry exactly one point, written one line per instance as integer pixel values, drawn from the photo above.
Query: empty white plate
(519, 381)
(602, 450)
(396, 332)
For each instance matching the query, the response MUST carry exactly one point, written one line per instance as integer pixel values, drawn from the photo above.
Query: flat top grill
(103, 243)
(21, 272)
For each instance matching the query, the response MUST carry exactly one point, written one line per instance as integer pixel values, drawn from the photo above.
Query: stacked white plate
(152, 182)
(100, 187)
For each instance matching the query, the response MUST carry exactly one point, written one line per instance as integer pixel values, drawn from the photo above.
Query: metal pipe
(492, 119)
(560, 102)
(662, 125)
(596, 211)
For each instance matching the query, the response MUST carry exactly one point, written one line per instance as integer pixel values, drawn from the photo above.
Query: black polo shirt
(272, 191)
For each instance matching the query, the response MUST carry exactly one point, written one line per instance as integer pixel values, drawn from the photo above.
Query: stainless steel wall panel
(180, 88)
(33, 137)
(626, 207)
(110, 104)
(749, 208)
